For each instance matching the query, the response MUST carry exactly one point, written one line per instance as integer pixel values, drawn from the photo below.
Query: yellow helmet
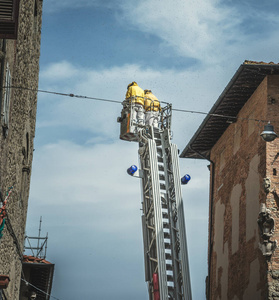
(131, 84)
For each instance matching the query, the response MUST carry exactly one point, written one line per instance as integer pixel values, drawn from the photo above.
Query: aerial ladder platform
(163, 223)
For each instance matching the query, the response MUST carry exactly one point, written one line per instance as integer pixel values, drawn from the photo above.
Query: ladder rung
(162, 186)
(169, 278)
(167, 246)
(157, 133)
(168, 256)
(162, 177)
(170, 287)
(169, 267)
(165, 216)
(166, 235)
(161, 167)
(160, 151)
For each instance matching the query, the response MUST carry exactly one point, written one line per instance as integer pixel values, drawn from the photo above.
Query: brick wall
(16, 139)
(239, 270)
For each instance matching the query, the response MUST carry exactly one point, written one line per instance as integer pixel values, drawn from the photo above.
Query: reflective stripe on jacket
(136, 94)
(151, 102)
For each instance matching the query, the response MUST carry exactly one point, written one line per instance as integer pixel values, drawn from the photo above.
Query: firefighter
(152, 109)
(135, 96)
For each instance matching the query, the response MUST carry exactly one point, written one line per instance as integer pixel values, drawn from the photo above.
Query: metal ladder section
(164, 236)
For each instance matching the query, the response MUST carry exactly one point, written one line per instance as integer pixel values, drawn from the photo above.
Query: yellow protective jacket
(151, 103)
(135, 91)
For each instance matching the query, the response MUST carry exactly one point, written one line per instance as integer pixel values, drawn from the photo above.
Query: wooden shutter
(8, 19)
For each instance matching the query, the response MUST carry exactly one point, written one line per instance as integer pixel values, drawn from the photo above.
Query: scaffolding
(37, 245)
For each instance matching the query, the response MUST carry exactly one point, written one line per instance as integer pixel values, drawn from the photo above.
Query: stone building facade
(19, 70)
(243, 258)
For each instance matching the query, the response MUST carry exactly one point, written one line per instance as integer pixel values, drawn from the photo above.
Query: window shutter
(8, 19)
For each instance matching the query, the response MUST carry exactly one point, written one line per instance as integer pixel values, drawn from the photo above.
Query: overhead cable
(120, 102)
(28, 283)
(63, 94)
(218, 115)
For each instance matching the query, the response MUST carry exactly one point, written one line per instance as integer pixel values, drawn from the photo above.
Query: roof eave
(211, 122)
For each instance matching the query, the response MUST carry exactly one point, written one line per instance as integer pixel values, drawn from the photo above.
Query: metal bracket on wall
(26, 169)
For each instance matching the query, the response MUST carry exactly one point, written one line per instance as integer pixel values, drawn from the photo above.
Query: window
(6, 102)
(9, 19)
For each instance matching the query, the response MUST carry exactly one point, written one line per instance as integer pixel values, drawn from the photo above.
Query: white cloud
(211, 31)
(60, 70)
(199, 29)
(83, 173)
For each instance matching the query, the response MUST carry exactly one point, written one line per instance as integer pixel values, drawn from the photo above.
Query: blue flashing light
(132, 170)
(185, 179)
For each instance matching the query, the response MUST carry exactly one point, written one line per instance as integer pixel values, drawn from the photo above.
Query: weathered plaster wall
(252, 187)
(235, 202)
(238, 268)
(272, 172)
(16, 144)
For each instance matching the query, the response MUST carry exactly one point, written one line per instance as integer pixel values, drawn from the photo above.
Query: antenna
(39, 235)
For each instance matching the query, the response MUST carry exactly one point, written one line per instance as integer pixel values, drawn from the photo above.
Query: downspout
(2, 61)
(210, 219)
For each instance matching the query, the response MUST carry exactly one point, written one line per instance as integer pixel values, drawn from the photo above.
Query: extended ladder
(164, 236)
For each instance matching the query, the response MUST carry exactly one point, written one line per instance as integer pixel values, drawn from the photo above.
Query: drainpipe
(2, 61)
(210, 219)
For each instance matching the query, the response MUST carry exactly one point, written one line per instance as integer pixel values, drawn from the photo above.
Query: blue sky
(186, 52)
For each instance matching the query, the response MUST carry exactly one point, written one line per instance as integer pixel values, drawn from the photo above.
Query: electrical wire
(10, 227)
(13, 235)
(3, 294)
(120, 102)
(218, 115)
(28, 283)
(64, 94)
